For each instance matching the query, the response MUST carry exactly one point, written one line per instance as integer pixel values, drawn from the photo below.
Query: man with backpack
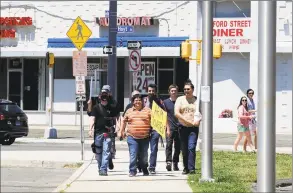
(102, 121)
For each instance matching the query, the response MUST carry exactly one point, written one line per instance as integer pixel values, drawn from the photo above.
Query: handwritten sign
(159, 119)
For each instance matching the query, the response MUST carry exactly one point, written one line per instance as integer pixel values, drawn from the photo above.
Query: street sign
(80, 85)
(108, 50)
(79, 33)
(134, 60)
(80, 97)
(133, 45)
(125, 29)
(144, 77)
(79, 62)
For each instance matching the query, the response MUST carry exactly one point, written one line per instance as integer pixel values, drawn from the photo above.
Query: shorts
(241, 128)
(252, 127)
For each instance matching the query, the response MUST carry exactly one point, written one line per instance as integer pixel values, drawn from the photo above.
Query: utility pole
(112, 59)
(207, 92)
(266, 155)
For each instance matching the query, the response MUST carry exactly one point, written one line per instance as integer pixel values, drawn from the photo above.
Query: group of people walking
(134, 125)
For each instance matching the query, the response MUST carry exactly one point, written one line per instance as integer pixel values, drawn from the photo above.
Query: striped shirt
(139, 122)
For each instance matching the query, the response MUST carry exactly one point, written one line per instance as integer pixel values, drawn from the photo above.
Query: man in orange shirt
(138, 134)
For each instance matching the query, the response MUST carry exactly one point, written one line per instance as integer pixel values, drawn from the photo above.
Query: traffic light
(217, 50)
(50, 59)
(198, 56)
(185, 50)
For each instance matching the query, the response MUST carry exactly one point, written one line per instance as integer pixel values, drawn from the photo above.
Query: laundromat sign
(9, 24)
(128, 21)
(233, 33)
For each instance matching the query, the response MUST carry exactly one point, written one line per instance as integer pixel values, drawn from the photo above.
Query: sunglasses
(187, 89)
(250, 93)
(244, 100)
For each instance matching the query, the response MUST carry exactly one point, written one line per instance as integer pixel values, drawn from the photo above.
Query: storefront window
(166, 78)
(182, 73)
(166, 63)
(63, 68)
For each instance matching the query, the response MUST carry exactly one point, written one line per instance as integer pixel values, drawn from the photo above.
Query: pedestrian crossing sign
(79, 33)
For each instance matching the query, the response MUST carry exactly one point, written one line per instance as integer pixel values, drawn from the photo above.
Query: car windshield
(10, 108)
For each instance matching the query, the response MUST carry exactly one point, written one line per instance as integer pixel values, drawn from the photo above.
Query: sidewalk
(86, 179)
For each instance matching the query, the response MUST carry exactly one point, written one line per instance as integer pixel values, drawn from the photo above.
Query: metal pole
(112, 59)
(266, 155)
(96, 88)
(207, 93)
(51, 97)
(81, 130)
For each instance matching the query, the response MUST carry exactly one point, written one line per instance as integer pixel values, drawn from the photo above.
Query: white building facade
(29, 29)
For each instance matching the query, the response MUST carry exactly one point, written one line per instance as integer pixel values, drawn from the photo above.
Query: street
(50, 147)
(22, 179)
(282, 140)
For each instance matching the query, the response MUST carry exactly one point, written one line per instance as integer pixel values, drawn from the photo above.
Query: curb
(63, 186)
(34, 163)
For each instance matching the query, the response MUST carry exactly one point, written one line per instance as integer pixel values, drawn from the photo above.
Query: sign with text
(144, 77)
(79, 62)
(159, 119)
(232, 33)
(80, 85)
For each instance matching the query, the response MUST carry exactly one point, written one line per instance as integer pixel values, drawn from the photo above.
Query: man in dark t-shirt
(103, 116)
(174, 133)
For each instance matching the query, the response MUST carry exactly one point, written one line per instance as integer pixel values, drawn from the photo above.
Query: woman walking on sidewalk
(252, 122)
(185, 108)
(243, 123)
(138, 134)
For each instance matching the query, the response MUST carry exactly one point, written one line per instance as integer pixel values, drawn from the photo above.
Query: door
(30, 83)
(14, 86)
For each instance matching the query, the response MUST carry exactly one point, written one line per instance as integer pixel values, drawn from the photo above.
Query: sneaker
(139, 170)
(185, 171)
(145, 172)
(152, 170)
(175, 167)
(103, 174)
(169, 166)
(111, 165)
(132, 174)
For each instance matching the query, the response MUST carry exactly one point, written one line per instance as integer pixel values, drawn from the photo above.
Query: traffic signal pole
(266, 155)
(112, 59)
(207, 93)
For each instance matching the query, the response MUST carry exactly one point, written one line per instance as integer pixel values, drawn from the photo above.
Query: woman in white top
(185, 108)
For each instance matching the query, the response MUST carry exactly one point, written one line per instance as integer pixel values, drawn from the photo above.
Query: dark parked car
(13, 122)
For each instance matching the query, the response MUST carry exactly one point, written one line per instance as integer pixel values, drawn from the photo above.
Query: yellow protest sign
(159, 119)
(79, 33)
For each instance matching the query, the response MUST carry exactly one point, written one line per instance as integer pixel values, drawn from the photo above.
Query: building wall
(53, 19)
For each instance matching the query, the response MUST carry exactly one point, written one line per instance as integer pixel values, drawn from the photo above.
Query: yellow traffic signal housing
(185, 50)
(50, 59)
(217, 50)
(198, 56)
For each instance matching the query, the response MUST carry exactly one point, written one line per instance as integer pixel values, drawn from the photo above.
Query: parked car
(13, 122)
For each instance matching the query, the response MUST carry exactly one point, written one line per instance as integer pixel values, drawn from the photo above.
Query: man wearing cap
(102, 120)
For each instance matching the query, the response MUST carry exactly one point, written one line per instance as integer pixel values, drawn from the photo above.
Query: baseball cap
(106, 88)
(135, 93)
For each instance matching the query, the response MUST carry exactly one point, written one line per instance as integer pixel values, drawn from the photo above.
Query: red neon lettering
(7, 33)
(228, 32)
(16, 21)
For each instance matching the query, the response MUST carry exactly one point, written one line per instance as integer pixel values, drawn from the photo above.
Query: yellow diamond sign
(79, 33)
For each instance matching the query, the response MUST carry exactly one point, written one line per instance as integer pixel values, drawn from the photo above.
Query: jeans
(135, 146)
(154, 141)
(103, 154)
(188, 137)
(174, 137)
